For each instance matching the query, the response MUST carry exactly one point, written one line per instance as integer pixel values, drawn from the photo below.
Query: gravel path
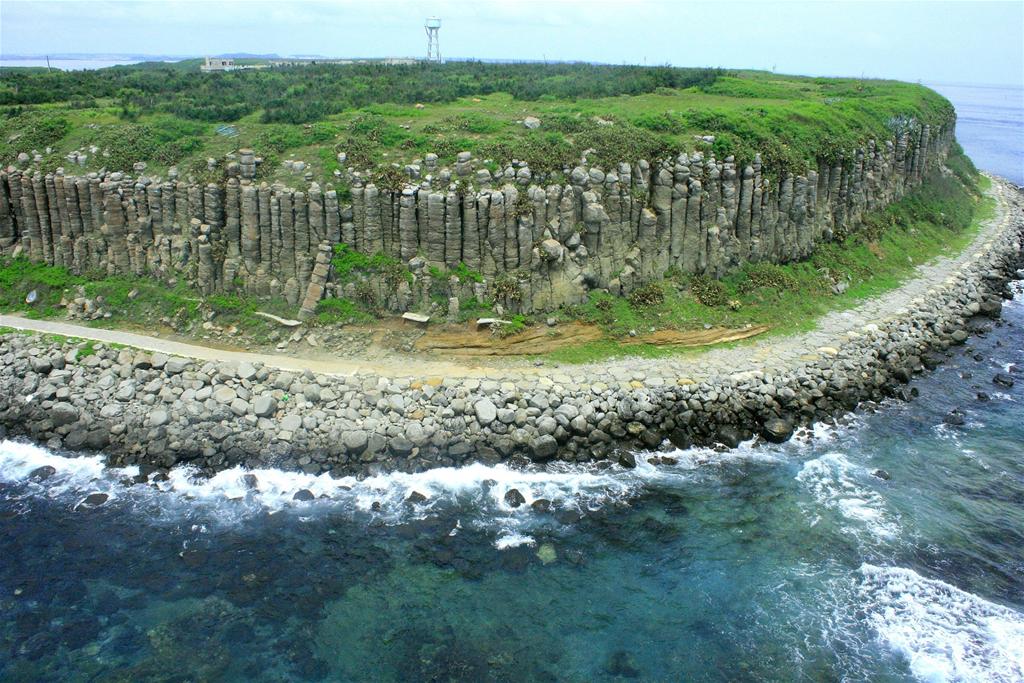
(772, 354)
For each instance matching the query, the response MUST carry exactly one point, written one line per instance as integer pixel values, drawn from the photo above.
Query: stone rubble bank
(159, 411)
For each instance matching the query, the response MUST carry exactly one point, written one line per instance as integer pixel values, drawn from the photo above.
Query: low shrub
(650, 294)
(707, 291)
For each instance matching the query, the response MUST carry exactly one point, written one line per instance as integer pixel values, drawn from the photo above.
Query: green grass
(132, 301)
(791, 121)
(330, 312)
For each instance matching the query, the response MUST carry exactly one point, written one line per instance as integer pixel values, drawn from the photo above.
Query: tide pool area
(886, 548)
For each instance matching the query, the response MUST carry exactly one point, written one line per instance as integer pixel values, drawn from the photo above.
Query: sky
(941, 42)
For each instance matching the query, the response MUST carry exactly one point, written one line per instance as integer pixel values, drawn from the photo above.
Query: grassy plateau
(173, 115)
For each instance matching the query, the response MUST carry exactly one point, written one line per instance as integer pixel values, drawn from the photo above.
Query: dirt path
(765, 354)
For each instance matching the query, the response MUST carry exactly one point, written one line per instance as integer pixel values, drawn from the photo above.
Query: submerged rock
(954, 417)
(41, 473)
(546, 553)
(513, 498)
(415, 497)
(1003, 380)
(94, 500)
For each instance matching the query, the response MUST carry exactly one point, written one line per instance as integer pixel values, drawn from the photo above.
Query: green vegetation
(167, 114)
(514, 325)
(938, 218)
(340, 312)
(303, 94)
(132, 301)
(351, 265)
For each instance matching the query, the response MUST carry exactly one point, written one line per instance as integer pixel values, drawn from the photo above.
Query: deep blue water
(990, 126)
(789, 562)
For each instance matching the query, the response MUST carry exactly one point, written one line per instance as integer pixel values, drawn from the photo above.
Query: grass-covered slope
(165, 115)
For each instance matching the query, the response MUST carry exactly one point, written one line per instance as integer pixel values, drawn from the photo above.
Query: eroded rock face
(616, 228)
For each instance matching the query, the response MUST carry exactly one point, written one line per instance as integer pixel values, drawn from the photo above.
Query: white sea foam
(510, 539)
(477, 491)
(833, 482)
(944, 633)
(239, 492)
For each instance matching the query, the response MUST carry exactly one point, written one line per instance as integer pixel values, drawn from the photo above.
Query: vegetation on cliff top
(377, 114)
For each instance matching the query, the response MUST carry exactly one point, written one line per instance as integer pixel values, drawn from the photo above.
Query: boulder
(355, 440)
(486, 412)
(544, 447)
(63, 414)
(415, 498)
(777, 430)
(158, 418)
(513, 498)
(265, 405)
(224, 395)
(542, 505)
(176, 366)
(729, 435)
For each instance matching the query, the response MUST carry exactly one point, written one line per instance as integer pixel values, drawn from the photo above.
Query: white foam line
(480, 489)
(944, 633)
(831, 480)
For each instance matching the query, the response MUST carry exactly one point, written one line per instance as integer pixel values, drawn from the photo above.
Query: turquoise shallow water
(792, 562)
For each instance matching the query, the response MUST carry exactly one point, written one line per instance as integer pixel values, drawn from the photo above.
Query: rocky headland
(160, 410)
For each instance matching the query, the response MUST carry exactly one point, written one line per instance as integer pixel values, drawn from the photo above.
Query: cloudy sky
(953, 42)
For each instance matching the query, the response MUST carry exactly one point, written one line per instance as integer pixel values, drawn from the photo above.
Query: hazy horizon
(937, 42)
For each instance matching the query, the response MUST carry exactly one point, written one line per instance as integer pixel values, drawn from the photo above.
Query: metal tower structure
(433, 28)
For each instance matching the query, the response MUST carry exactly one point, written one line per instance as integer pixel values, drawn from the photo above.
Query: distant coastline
(66, 64)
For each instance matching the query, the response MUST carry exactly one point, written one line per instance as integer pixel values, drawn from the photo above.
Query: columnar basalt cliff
(537, 246)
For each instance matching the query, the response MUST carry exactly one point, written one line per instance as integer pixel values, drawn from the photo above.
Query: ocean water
(990, 126)
(67, 64)
(799, 562)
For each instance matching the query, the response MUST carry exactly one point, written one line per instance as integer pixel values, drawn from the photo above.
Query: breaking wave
(944, 633)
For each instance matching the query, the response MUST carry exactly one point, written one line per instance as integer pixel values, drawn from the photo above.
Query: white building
(218, 64)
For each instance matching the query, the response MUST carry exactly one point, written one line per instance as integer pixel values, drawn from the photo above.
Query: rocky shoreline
(159, 411)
